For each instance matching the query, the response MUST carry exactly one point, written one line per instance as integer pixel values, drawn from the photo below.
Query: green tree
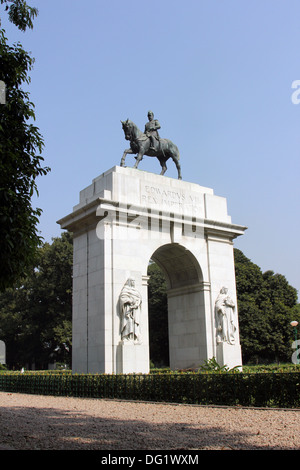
(255, 334)
(21, 162)
(36, 315)
(158, 316)
(266, 305)
(283, 300)
(20, 13)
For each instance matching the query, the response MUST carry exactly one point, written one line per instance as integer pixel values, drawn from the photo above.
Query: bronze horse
(140, 145)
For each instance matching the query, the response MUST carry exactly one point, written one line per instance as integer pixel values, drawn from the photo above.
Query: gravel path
(34, 422)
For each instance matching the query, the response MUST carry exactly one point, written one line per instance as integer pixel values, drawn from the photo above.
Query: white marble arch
(125, 218)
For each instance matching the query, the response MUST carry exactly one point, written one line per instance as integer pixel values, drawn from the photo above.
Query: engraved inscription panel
(173, 200)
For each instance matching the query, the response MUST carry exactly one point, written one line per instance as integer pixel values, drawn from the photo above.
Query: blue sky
(217, 74)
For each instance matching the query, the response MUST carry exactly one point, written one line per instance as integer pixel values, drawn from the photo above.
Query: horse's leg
(178, 169)
(124, 156)
(170, 150)
(163, 164)
(175, 158)
(139, 158)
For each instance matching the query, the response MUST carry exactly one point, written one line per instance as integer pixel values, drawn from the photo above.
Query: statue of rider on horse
(149, 143)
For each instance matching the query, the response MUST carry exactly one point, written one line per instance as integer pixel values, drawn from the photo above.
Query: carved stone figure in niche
(130, 308)
(225, 315)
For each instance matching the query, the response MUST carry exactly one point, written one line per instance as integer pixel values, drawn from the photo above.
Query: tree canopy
(19, 13)
(266, 305)
(36, 314)
(21, 146)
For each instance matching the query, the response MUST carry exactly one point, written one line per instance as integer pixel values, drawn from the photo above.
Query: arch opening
(179, 265)
(158, 317)
(186, 332)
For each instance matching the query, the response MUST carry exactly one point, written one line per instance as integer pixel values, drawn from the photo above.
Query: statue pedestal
(132, 358)
(229, 355)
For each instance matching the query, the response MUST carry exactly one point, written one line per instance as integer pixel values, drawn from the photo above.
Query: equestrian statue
(149, 143)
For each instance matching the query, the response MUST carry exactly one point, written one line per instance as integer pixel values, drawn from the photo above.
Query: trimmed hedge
(259, 390)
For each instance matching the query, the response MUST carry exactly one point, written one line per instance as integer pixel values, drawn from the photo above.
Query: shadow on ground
(56, 429)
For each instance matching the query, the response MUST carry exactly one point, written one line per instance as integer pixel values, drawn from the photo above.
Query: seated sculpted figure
(151, 129)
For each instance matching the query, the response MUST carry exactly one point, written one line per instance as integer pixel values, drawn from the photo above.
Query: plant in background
(211, 365)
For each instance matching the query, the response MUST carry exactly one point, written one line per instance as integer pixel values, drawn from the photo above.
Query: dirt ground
(34, 422)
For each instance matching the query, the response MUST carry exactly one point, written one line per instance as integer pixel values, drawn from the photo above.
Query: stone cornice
(91, 214)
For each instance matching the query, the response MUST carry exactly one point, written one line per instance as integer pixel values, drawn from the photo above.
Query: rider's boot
(151, 144)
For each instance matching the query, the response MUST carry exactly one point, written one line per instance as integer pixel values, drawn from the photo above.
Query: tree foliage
(266, 306)
(21, 162)
(19, 13)
(158, 317)
(36, 314)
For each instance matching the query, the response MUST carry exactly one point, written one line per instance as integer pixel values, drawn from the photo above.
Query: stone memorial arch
(125, 218)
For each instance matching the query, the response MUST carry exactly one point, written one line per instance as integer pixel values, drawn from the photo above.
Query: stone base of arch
(125, 218)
